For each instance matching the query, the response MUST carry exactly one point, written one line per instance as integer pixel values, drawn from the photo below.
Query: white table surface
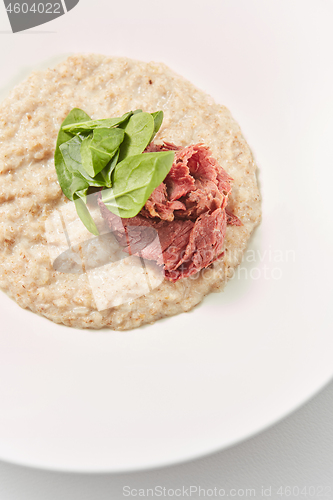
(297, 452)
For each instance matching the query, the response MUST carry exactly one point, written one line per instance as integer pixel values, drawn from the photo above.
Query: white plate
(109, 401)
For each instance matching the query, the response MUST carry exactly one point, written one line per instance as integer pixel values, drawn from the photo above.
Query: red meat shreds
(166, 146)
(183, 224)
(232, 220)
(158, 205)
(183, 246)
(195, 179)
(205, 245)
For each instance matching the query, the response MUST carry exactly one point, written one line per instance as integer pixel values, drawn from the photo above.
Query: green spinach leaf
(71, 152)
(84, 214)
(85, 155)
(104, 153)
(79, 185)
(158, 118)
(134, 179)
(138, 131)
(64, 176)
(89, 125)
(104, 177)
(99, 149)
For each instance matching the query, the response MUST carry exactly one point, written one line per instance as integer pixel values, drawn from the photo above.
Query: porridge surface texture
(30, 195)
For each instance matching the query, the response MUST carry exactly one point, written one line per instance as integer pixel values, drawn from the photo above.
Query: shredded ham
(187, 211)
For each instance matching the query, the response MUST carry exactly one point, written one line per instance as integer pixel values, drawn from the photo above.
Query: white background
(299, 450)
